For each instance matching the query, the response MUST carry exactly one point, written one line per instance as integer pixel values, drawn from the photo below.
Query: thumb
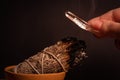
(110, 28)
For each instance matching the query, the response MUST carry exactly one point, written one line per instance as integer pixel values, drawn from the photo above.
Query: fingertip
(95, 23)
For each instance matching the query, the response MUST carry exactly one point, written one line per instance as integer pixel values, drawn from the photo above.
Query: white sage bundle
(62, 56)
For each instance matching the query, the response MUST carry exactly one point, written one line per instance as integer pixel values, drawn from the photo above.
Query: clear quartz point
(78, 21)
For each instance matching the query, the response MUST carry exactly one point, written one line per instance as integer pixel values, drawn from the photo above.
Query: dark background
(30, 25)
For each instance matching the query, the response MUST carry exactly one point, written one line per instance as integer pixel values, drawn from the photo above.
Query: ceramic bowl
(9, 75)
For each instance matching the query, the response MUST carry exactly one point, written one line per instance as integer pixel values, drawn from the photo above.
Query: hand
(107, 25)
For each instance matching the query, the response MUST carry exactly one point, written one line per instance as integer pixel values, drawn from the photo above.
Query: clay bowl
(9, 75)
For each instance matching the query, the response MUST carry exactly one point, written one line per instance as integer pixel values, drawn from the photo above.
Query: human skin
(107, 25)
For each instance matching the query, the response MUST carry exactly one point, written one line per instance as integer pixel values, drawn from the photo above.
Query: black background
(30, 25)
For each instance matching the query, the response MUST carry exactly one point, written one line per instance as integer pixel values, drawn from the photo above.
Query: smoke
(85, 8)
(92, 9)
